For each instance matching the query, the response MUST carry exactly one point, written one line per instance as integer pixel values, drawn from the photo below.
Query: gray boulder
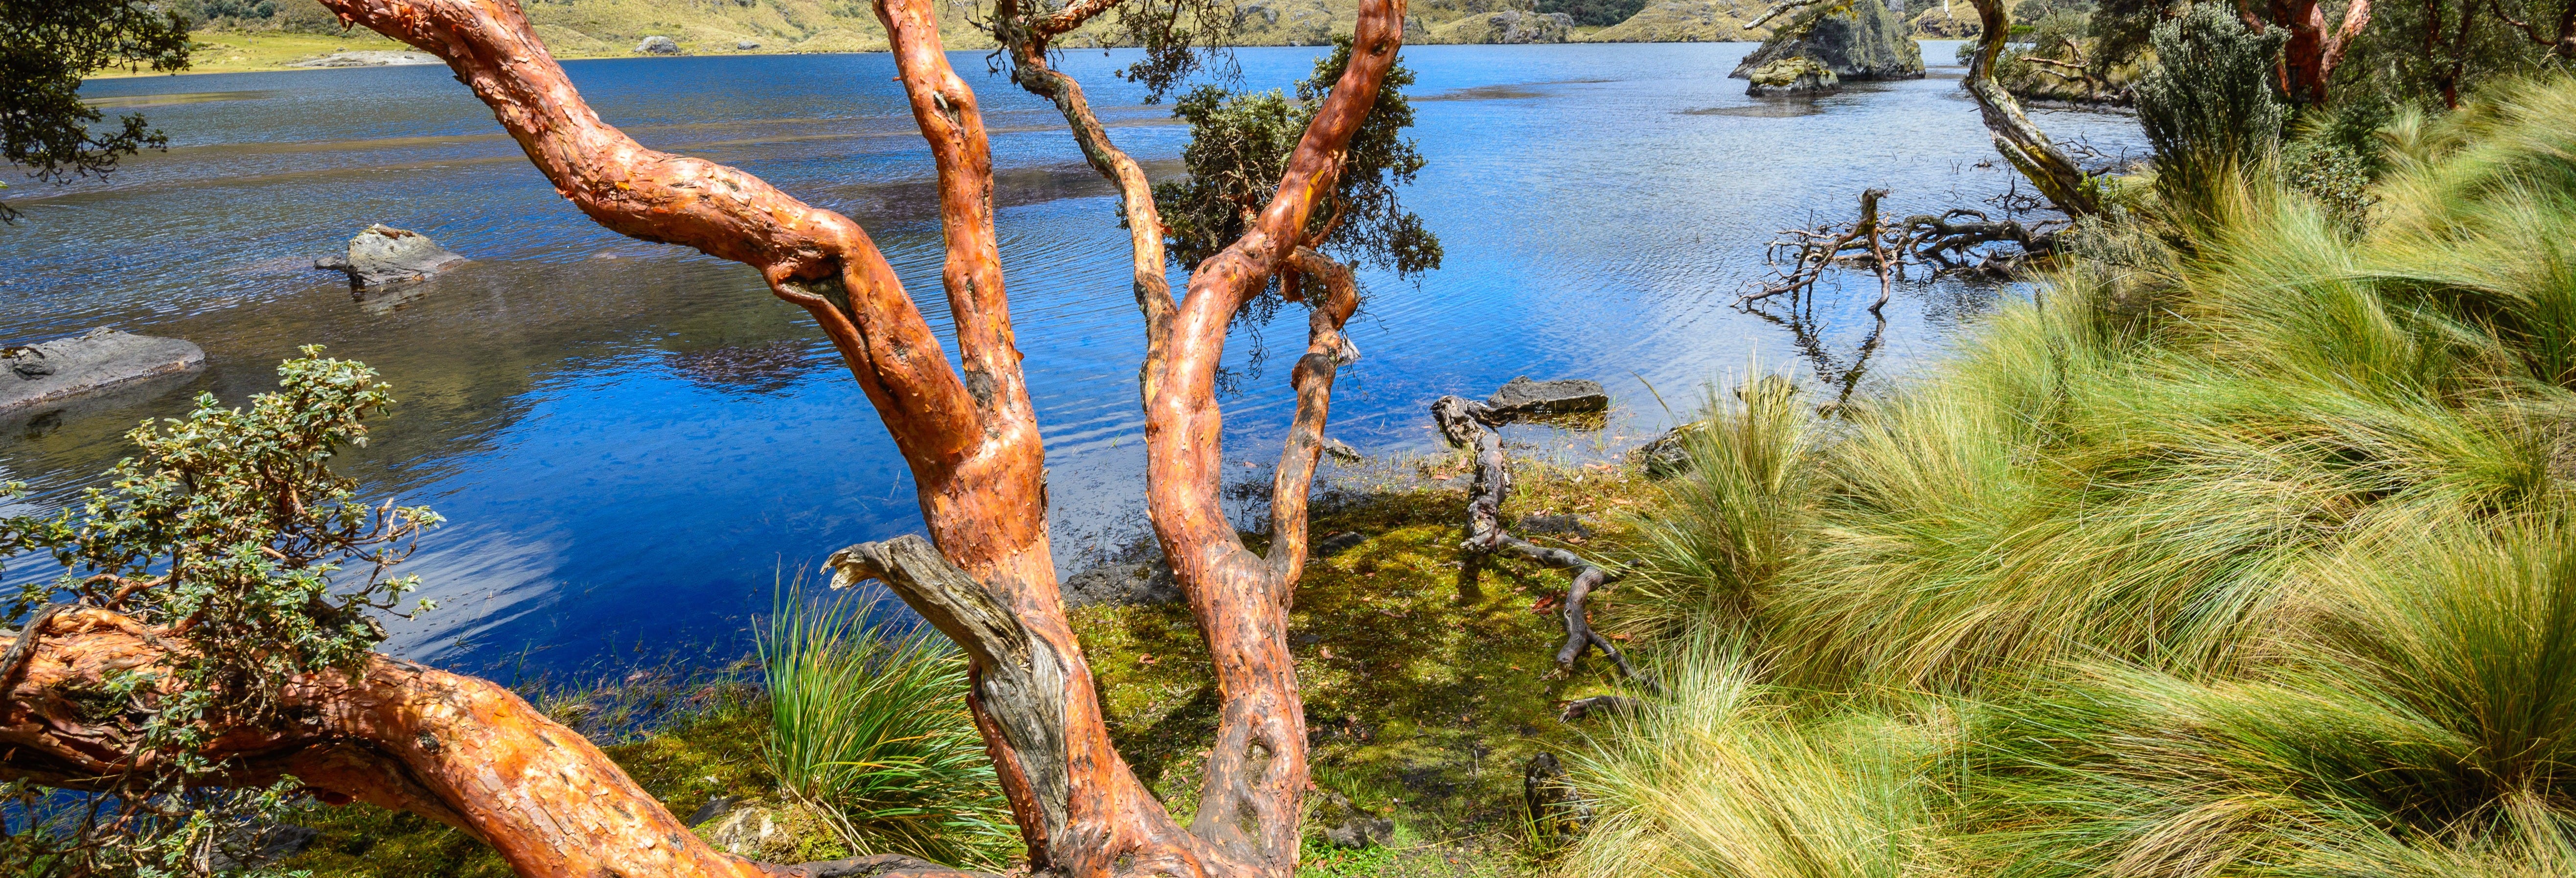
(1522, 397)
(1859, 41)
(1793, 76)
(741, 46)
(1348, 825)
(657, 45)
(88, 363)
(384, 256)
(1669, 454)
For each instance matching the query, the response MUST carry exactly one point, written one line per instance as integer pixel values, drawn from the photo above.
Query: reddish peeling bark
(2309, 58)
(470, 754)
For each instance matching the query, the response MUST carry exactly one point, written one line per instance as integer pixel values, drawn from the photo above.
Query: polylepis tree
(468, 753)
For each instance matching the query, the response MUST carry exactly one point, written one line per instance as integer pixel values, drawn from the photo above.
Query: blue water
(635, 442)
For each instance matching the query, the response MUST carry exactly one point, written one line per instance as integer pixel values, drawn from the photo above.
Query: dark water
(634, 441)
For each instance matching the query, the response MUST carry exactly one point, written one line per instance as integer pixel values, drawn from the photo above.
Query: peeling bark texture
(459, 750)
(2022, 143)
(1469, 425)
(2309, 57)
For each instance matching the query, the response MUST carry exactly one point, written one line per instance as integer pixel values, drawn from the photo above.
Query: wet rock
(367, 58)
(1337, 542)
(88, 363)
(745, 45)
(714, 808)
(1522, 396)
(1856, 41)
(383, 256)
(1667, 455)
(1123, 583)
(657, 45)
(1342, 451)
(1792, 77)
(1347, 825)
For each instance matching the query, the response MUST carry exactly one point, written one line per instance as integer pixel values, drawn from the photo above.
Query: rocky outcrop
(657, 45)
(745, 45)
(1685, 21)
(384, 256)
(1856, 39)
(1506, 27)
(1522, 397)
(88, 363)
(368, 58)
(1794, 76)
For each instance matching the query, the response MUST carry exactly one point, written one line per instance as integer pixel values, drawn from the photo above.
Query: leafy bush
(2208, 107)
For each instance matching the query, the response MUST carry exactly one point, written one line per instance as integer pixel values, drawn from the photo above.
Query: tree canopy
(46, 47)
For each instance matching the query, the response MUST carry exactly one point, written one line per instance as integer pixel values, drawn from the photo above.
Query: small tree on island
(317, 711)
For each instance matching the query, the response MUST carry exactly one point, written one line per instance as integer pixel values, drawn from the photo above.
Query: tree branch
(2022, 143)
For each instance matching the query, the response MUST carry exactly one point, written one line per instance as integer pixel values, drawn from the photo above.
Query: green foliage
(229, 532)
(46, 46)
(2208, 107)
(2247, 559)
(869, 728)
(1239, 149)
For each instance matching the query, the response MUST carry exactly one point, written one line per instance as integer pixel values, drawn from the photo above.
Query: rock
(1522, 396)
(1347, 825)
(1667, 455)
(657, 45)
(368, 58)
(747, 831)
(1555, 524)
(87, 363)
(1793, 76)
(1123, 583)
(714, 808)
(1337, 542)
(1858, 41)
(383, 256)
(1507, 27)
(745, 45)
(1342, 451)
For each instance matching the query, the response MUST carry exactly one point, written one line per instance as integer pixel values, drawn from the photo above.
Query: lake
(635, 443)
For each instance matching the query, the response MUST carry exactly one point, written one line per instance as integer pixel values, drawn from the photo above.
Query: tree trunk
(470, 754)
(2022, 143)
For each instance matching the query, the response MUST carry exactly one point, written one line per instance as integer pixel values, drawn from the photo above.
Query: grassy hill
(247, 35)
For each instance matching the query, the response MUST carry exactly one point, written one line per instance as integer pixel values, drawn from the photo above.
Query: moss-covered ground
(1425, 673)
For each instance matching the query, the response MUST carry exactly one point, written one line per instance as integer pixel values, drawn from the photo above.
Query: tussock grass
(2246, 548)
(869, 729)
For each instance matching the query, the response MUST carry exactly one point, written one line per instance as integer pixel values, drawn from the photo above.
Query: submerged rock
(1522, 396)
(88, 363)
(1856, 40)
(384, 256)
(1793, 76)
(657, 45)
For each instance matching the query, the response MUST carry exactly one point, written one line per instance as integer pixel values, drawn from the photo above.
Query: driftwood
(1954, 241)
(1469, 425)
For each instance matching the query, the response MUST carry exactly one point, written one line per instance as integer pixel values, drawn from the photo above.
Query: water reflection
(636, 442)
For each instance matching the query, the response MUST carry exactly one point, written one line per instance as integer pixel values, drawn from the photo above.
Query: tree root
(1956, 241)
(1468, 425)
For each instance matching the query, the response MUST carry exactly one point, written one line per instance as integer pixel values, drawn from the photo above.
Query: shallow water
(635, 442)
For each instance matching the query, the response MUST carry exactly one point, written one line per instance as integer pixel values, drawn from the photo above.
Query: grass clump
(869, 730)
(2243, 549)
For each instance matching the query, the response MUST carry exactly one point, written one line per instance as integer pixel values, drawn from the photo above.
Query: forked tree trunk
(2309, 58)
(470, 754)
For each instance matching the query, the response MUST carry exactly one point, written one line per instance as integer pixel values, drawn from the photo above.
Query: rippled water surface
(633, 441)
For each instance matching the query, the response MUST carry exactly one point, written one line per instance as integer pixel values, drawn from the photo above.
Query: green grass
(2244, 549)
(869, 730)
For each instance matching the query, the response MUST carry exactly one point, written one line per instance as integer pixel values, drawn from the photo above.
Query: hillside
(295, 30)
